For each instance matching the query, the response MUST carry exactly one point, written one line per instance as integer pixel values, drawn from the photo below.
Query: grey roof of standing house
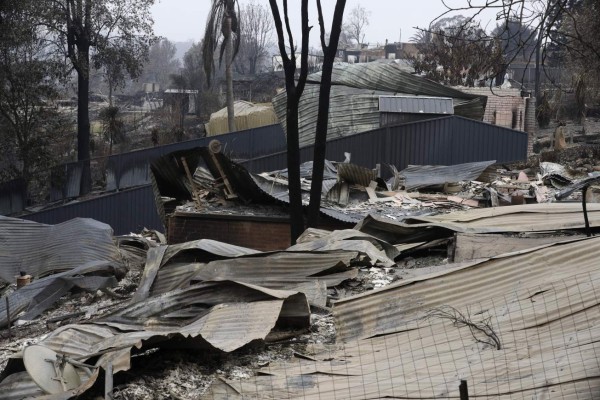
(416, 105)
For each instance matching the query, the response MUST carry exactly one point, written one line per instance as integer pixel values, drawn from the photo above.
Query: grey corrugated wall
(442, 141)
(126, 211)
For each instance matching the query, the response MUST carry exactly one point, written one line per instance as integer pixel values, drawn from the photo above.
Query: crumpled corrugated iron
(197, 251)
(217, 316)
(40, 250)
(177, 266)
(523, 218)
(350, 239)
(420, 176)
(394, 345)
(41, 294)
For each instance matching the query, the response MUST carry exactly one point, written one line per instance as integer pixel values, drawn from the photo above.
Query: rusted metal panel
(385, 310)
(227, 315)
(175, 266)
(217, 316)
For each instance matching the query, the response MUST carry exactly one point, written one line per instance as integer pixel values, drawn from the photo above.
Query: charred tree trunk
(320, 148)
(83, 120)
(293, 162)
(294, 92)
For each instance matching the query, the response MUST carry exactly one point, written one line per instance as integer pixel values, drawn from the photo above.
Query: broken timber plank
(195, 192)
(427, 196)
(463, 201)
(229, 192)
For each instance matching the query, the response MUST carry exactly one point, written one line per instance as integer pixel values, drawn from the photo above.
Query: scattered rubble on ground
(199, 318)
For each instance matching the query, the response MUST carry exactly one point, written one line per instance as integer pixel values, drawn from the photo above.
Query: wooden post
(195, 194)
(464, 391)
(588, 232)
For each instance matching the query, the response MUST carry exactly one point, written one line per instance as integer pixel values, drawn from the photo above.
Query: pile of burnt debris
(86, 314)
(351, 192)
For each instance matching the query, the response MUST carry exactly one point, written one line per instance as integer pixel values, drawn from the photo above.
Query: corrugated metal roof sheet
(390, 77)
(351, 239)
(474, 281)
(222, 316)
(416, 105)
(203, 250)
(41, 294)
(419, 176)
(355, 174)
(226, 314)
(39, 249)
(543, 305)
(176, 266)
(522, 218)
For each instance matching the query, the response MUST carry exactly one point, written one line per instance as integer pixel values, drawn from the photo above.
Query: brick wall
(530, 123)
(260, 233)
(505, 107)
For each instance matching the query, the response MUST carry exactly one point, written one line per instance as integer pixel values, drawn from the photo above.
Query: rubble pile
(351, 192)
(141, 318)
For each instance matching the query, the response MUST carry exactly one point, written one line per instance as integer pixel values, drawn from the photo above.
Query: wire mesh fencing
(530, 343)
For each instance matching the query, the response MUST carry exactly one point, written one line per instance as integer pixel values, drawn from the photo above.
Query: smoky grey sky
(394, 20)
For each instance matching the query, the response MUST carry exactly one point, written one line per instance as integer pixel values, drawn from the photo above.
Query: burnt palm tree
(222, 22)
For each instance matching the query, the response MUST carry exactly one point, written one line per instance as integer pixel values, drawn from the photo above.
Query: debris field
(476, 272)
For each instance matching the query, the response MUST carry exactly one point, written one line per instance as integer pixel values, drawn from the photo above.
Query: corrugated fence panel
(12, 196)
(478, 141)
(65, 181)
(126, 211)
(440, 141)
(131, 169)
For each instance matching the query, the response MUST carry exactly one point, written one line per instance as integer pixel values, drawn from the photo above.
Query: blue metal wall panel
(12, 196)
(440, 141)
(132, 169)
(126, 211)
